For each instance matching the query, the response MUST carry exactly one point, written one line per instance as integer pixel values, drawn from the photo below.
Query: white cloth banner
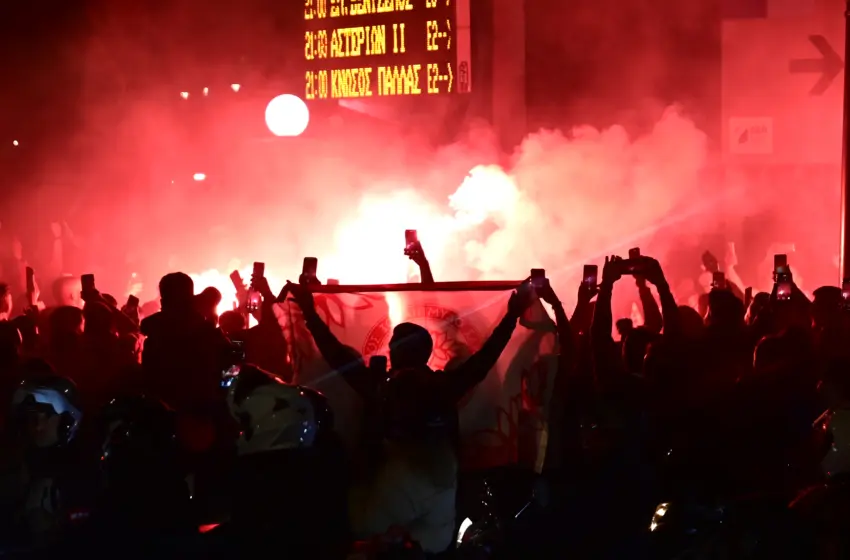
(502, 421)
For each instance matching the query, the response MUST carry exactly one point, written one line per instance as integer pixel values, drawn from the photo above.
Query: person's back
(63, 349)
(414, 487)
(182, 355)
(413, 483)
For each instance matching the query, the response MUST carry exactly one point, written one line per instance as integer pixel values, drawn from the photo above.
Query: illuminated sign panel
(380, 48)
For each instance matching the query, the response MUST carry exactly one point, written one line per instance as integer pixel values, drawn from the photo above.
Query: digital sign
(386, 48)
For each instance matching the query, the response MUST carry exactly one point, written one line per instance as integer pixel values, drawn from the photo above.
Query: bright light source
(467, 523)
(199, 176)
(287, 115)
(206, 91)
(15, 143)
(184, 94)
(235, 87)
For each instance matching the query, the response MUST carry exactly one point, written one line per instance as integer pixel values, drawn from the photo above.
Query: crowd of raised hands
(118, 414)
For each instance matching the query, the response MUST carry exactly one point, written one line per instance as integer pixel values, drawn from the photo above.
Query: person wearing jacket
(183, 359)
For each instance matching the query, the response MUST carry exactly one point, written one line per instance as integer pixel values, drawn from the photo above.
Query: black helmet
(137, 431)
(50, 395)
(274, 415)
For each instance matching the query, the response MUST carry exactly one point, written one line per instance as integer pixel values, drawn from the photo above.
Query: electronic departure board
(386, 48)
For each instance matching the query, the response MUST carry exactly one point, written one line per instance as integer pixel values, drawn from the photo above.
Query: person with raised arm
(413, 430)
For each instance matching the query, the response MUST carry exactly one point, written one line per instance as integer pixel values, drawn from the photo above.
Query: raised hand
(652, 272)
(415, 252)
(520, 300)
(612, 270)
(261, 284)
(547, 294)
(302, 296)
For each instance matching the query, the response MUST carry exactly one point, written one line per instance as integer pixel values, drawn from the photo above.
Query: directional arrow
(828, 66)
(451, 77)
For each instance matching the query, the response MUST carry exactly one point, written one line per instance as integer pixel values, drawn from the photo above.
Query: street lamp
(287, 115)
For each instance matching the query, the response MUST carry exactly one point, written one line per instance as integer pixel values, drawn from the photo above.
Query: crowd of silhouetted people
(716, 432)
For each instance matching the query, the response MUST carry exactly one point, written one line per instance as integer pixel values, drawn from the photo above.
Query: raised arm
(417, 255)
(341, 358)
(602, 345)
(566, 342)
(474, 370)
(652, 318)
(669, 310)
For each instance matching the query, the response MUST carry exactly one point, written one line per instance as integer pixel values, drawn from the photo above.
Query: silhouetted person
(183, 359)
(232, 322)
(207, 304)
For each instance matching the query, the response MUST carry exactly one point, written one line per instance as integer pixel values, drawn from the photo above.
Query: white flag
(503, 420)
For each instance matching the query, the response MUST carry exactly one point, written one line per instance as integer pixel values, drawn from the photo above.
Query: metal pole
(845, 160)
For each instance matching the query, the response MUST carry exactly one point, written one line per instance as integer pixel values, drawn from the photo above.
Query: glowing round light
(15, 143)
(287, 115)
(206, 91)
(184, 94)
(235, 87)
(199, 176)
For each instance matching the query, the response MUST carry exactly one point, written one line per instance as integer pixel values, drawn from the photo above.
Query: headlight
(658, 516)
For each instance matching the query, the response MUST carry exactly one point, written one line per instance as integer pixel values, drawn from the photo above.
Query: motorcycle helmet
(137, 432)
(46, 411)
(274, 415)
(415, 406)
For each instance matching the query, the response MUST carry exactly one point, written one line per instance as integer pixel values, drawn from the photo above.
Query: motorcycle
(497, 527)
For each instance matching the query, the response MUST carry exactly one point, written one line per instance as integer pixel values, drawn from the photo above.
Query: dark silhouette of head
(624, 327)
(110, 300)
(207, 302)
(66, 321)
(769, 355)
(692, 325)
(176, 292)
(760, 301)
(410, 346)
(725, 310)
(98, 318)
(36, 367)
(634, 348)
(827, 307)
(231, 322)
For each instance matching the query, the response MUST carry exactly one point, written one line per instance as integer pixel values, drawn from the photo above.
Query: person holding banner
(412, 423)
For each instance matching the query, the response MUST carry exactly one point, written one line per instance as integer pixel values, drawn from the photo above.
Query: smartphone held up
(782, 277)
(255, 299)
(590, 276)
(718, 281)
(411, 238)
(538, 278)
(309, 270)
(87, 280)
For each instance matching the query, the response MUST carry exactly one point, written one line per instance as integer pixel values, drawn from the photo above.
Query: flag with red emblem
(503, 420)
